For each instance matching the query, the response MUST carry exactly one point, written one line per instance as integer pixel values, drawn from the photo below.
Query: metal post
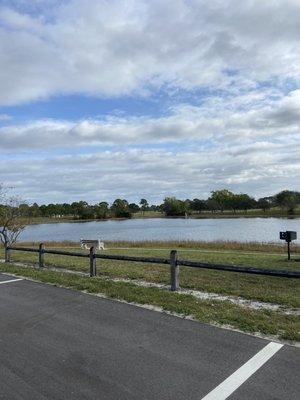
(41, 255)
(289, 250)
(7, 254)
(93, 270)
(174, 271)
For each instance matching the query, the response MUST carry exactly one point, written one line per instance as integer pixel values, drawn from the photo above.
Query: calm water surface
(240, 229)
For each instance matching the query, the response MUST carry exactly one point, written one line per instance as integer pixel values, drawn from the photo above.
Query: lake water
(239, 229)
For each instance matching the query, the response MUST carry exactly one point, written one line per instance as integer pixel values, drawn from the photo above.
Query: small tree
(222, 198)
(212, 205)
(102, 210)
(174, 207)
(134, 208)
(120, 209)
(242, 202)
(11, 221)
(144, 205)
(264, 203)
(287, 200)
(198, 205)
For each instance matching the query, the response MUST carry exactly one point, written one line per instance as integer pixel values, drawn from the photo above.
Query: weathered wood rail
(173, 261)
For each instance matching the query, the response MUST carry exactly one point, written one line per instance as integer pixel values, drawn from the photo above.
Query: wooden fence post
(7, 254)
(174, 271)
(93, 270)
(41, 255)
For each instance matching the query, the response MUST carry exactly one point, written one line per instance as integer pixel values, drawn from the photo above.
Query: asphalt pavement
(62, 344)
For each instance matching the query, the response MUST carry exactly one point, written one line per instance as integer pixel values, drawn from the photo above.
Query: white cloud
(250, 117)
(155, 174)
(243, 132)
(114, 48)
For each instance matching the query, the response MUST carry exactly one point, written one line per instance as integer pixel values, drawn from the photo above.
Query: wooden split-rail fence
(173, 261)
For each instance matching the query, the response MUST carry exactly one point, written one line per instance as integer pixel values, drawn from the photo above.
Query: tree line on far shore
(15, 214)
(219, 201)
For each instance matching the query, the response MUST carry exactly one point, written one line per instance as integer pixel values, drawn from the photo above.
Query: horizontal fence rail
(23, 249)
(174, 262)
(152, 260)
(59, 252)
(239, 268)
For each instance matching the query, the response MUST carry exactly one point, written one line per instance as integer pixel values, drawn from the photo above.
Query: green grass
(283, 291)
(148, 214)
(217, 312)
(185, 244)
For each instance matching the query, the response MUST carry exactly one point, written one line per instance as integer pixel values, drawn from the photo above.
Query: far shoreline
(55, 220)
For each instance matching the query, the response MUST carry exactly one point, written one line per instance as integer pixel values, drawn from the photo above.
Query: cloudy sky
(136, 98)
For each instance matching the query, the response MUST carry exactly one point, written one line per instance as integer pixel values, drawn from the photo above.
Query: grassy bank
(184, 244)
(216, 312)
(283, 291)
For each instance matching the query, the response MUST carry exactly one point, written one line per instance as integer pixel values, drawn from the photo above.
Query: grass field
(282, 291)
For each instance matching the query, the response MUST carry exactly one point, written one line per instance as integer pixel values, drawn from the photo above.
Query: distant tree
(24, 209)
(198, 205)
(43, 210)
(241, 202)
(120, 209)
(90, 212)
(154, 207)
(246, 202)
(81, 210)
(52, 208)
(271, 200)
(212, 205)
(174, 207)
(134, 208)
(66, 209)
(222, 198)
(234, 202)
(12, 221)
(144, 205)
(188, 206)
(264, 204)
(288, 200)
(34, 210)
(102, 210)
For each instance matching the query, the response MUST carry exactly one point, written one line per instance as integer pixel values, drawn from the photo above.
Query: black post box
(288, 236)
(291, 235)
(282, 235)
